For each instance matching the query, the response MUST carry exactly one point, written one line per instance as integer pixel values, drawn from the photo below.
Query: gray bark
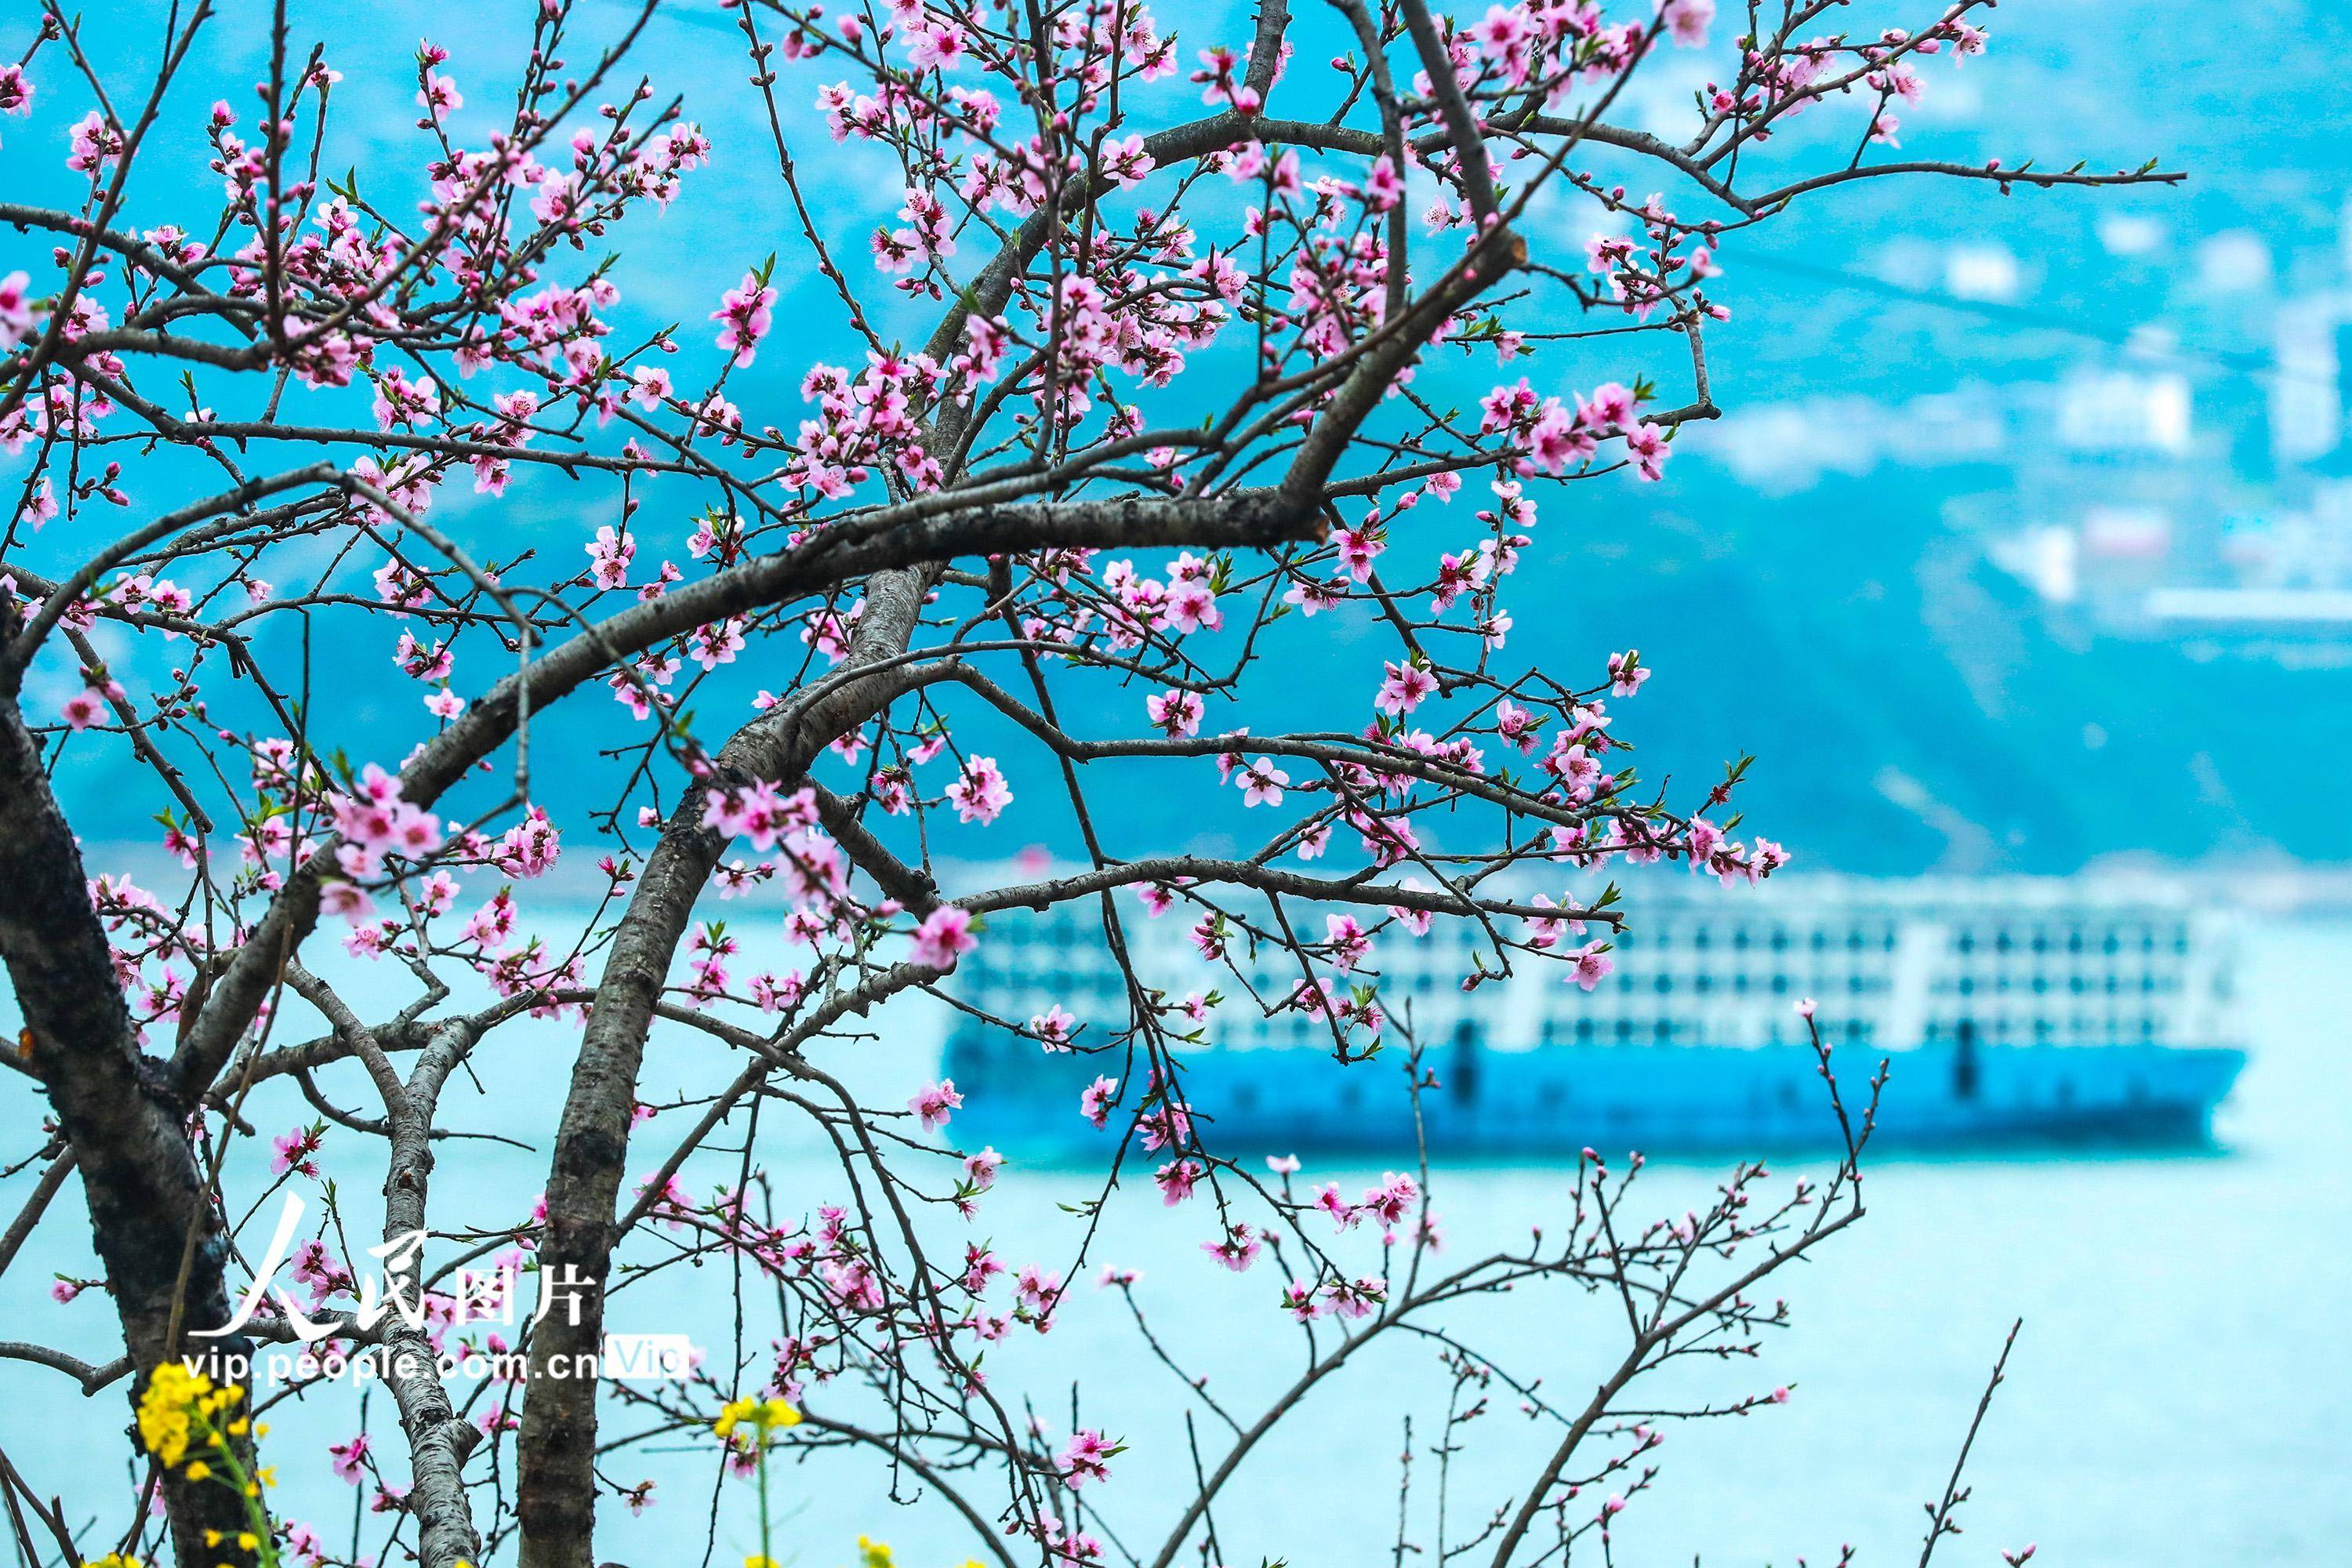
(140, 1176)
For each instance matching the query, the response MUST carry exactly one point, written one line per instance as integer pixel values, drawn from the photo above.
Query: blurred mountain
(1911, 705)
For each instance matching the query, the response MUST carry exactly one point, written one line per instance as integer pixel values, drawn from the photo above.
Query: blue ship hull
(1657, 1099)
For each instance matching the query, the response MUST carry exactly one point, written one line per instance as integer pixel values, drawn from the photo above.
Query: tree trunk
(128, 1137)
(556, 1498)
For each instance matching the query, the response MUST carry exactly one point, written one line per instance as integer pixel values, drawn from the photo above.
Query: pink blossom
(944, 937)
(350, 1459)
(1177, 713)
(84, 707)
(1177, 1179)
(744, 315)
(980, 793)
(933, 1102)
(1262, 782)
(1239, 1250)
(1038, 1289)
(609, 555)
(1086, 1458)
(1626, 673)
(1343, 1214)
(1345, 935)
(1126, 162)
(1390, 1201)
(1591, 967)
(346, 900)
(376, 819)
(291, 1151)
(15, 91)
(1054, 1028)
(96, 145)
(439, 96)
(1647, 445)
(938, 46)
(16, 307)
(1688, 20)
(1402, 691)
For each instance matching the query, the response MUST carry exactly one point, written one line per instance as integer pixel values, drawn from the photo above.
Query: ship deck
(1657, 1099)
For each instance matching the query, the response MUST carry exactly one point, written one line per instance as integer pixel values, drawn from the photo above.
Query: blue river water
(2181, 1392)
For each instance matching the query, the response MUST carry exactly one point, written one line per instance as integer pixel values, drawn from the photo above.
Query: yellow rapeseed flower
(170, 1411)
(197, 1469)
(872, 1553)
(765, 1416)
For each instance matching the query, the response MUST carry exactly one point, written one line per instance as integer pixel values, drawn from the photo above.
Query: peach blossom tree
(1086, 376)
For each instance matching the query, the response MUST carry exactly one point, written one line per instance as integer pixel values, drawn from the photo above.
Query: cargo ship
(2009, 1012)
